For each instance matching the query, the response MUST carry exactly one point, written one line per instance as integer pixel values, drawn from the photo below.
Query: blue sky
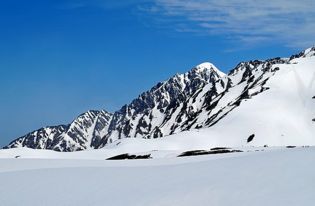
(61, 58)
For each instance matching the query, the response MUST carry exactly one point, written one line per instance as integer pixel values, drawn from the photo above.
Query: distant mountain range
(258, 102)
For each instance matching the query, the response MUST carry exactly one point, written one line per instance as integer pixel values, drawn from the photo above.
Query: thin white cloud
(104, 4)
(251, 21)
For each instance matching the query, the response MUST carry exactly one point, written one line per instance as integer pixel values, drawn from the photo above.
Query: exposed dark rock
(129, 157)
(250, 138)
(205, 152)
(220, 148)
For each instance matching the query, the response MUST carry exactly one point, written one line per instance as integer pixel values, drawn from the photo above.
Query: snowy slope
(258, 103)
(273, 178)
(282, 115)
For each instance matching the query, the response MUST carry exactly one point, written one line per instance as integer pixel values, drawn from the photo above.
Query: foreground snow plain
(270, 176)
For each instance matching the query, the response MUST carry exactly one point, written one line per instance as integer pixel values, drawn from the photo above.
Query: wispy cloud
(249, 21)
(104, 4)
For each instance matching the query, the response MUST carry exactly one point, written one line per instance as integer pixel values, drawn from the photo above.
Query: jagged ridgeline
(197, 99)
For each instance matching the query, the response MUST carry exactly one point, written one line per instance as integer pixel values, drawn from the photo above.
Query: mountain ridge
(196, 99)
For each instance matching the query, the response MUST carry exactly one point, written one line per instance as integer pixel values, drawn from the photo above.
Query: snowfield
(275, 176)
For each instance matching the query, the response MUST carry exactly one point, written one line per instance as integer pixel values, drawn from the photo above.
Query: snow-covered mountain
(154, 113)
(258, 102)
(87, 128)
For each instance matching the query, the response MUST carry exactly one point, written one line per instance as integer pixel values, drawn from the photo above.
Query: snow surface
(207, 65)
(273, 177)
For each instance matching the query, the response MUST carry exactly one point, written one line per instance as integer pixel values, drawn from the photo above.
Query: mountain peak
(306, 53)
(207, 67)
(309, 52)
